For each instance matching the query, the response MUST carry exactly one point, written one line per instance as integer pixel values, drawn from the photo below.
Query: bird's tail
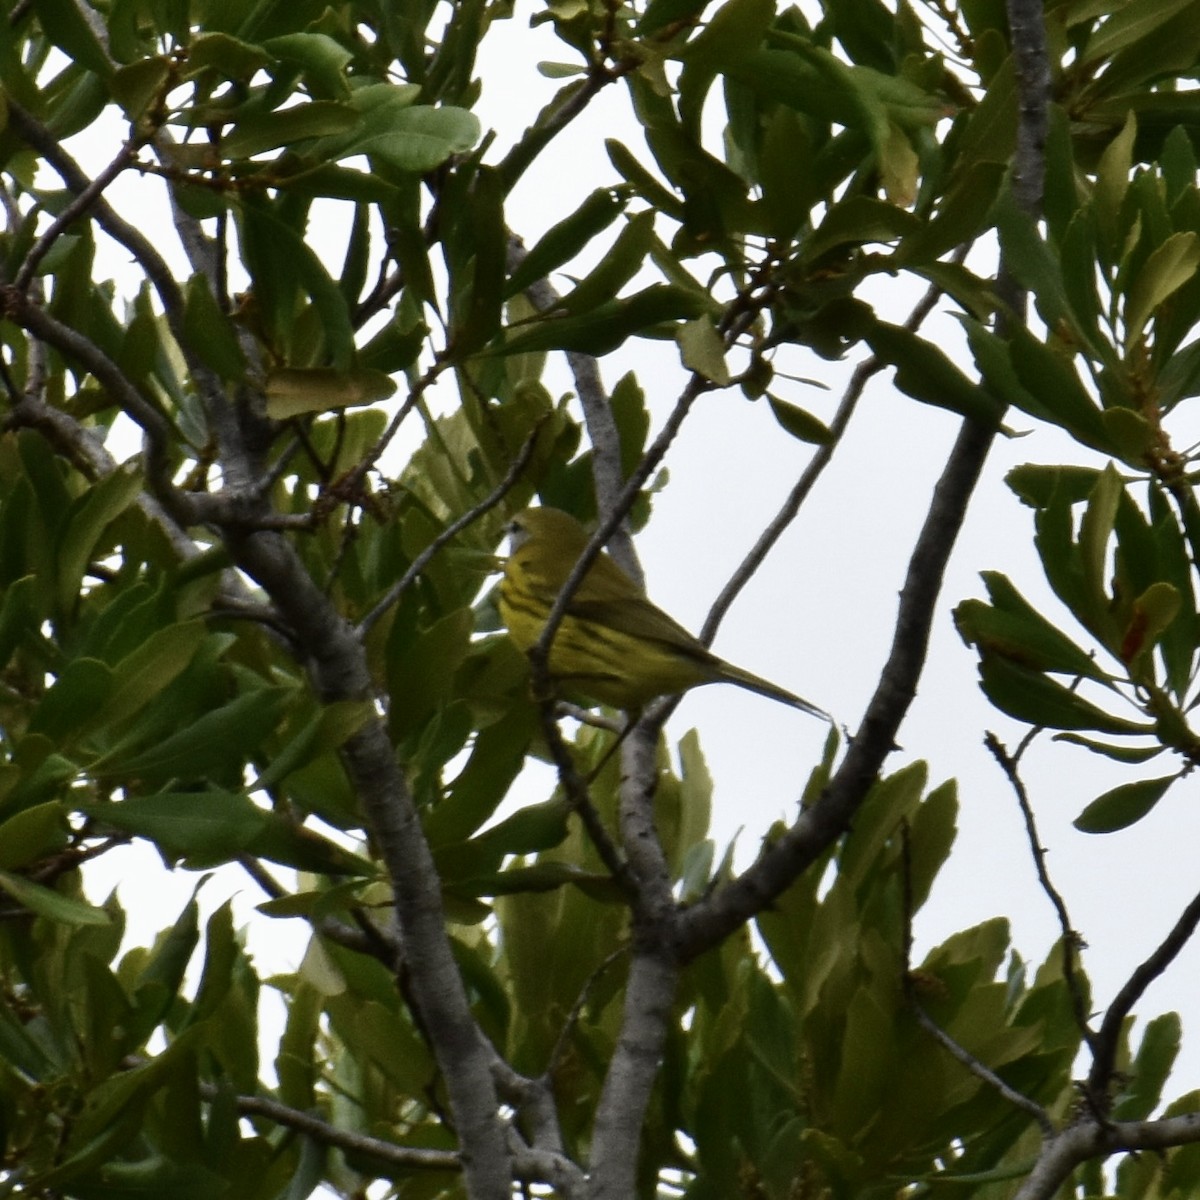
(764, 687)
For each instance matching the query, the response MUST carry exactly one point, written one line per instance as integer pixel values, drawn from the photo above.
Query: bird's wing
(639, 618)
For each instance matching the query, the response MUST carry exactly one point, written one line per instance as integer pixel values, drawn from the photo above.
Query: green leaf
(210, 826)
(474, 795)
(228, 56)
(209, 333)
(72, 702)
(260, 132)
(858, 221)
(927, 374)
(1131, 755)
(1039, 270)
(64, 24)
(1149, 617)
(325, 731)
(1053, 391)
(703, 351)
(322, 59)
(1169, 267)
(1030, 696)
(293, 391)
(652, 190)
(1095, 530)
(1036, 485)
(52, 905)
(420, 139)
(1122, 806)
(280, 262)
(619, 265)
(32, 834)
(1129, 24)
(142, 674)
(139, 84)
(87, 519)
(1112, 182)
(1011, 627)
(225, 735)
(563, 241)
(533, 828)
(799, 422)
(606, 328)
(1142, 1092)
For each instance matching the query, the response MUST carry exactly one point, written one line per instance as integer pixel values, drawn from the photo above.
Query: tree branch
(451, 531)
(338, 667)
(1107, 1039)
(1071, 939)
(1089, 1139)
(342, 1139)
(714, 918)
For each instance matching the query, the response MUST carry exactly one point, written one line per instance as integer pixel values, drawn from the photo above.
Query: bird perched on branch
(613, 645)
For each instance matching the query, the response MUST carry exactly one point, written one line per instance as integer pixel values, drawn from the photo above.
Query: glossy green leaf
(1052, 384)
(619, 265)
(799, 422)
(259, 133)
(603, 330)
(226, 734)
(227, 55)
(32, 834)
(1037, 485)
(1036, 699)
(293, 391)
(703, 351)
(139, 84)
(1122, 806)
(1151, 614)
(88, 518)
(1011, 627)
(927, 374)
(1095, 532)
(419, 139)
(45, 902)
(143, 673)
(209, 333)
(323, 60)
(67, 27)
(1156, 1055)
(1170, 266)
(857, 221)
(1132, 755)
(207, 825)
(73, 701)
(564, 240)
(1129, 24)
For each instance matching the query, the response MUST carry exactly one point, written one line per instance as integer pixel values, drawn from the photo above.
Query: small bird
(613, 645)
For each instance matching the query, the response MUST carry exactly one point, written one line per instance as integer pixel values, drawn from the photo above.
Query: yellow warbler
(613, 645)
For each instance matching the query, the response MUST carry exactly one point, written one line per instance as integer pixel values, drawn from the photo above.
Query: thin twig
(559, 1049)
(576, 789)
(821, 459)
(82, 202)
(952, 1047)
(1107, 1040)
(1072, 941)
(598, 417)
(452, 530)
(343, 1139)
(982, 1071)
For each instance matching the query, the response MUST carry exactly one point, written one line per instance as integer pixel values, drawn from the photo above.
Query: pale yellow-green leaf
(292, 391)
(702, 350)
(1168, 268)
